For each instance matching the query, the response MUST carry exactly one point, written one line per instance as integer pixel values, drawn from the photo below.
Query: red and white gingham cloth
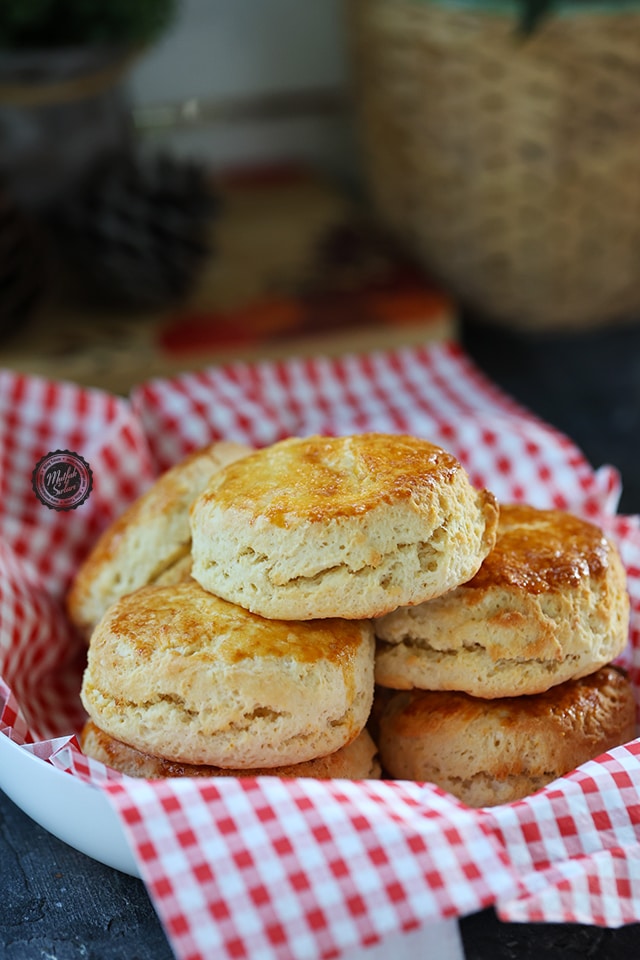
(305, 868)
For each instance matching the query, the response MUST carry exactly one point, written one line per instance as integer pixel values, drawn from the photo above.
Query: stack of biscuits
(346, 607)
(500, 686)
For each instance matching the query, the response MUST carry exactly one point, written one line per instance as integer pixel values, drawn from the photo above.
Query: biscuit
(357, 761)
(179, 673)
(148, 539)
(340, 526)
(548, 604)
(487, 752)
(178, 572)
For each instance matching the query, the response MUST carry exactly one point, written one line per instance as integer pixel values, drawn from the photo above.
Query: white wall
(219, 49)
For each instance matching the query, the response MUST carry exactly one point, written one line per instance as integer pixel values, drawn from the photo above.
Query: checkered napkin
(306, 868)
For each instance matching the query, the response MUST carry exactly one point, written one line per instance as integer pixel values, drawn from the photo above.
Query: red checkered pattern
(12, 723)
(65, 754)
(312, 868)
(38, 417)
(576, 846)
(292, 868)
(433, 392)
(43, 669)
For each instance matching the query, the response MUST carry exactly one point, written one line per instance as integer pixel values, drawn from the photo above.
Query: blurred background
(177, 179)
(183, 181)
(246, 82)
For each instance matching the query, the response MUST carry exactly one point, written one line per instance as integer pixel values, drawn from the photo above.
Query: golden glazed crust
(543, 551)
(495, 751)
(179, 673)
(327, 478)
(355, 761)
(548, 604)
(340, 526)
(149, 539)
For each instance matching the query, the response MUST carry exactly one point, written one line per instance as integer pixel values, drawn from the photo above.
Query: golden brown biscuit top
(320, 478)
(573, 705)
(186, 620)
(543, 550)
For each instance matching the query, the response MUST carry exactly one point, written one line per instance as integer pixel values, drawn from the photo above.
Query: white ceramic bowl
(72, 810)
(80, 814)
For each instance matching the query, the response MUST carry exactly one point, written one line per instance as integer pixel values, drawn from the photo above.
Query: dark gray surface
(587, 385)
(485, 938)
(57, 904)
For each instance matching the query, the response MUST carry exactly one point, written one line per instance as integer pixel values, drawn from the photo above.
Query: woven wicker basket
(509, 166)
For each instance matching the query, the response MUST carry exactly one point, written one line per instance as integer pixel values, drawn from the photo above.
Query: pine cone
(22, 266)
(138, 231)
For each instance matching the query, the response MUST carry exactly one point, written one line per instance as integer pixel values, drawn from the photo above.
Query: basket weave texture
(509, 166)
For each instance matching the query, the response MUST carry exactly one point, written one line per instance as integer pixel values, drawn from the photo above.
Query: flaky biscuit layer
(177, 672)
(487, 752)
(548, 604)
(356, 761)
(340, 526)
